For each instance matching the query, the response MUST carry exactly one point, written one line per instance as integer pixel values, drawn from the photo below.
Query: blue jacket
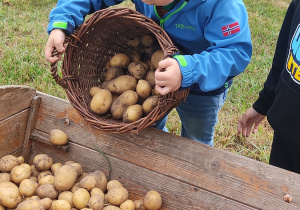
(213, 34)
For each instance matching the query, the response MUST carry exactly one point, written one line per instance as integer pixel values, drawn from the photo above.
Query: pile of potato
(63, 186)
(128, 85)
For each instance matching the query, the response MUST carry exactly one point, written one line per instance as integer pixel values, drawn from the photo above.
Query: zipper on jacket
(163, 20)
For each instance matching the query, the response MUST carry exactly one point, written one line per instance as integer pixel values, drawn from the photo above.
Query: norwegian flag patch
(230, 29)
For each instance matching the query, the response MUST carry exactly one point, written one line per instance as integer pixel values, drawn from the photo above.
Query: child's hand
(55, 41)
(168, 76)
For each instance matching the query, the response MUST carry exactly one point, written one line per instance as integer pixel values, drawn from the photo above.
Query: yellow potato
(42, 162)
(149, 104)
(143, 88)
(120, 84)
(101, 101)
(47, 180)
(81, 198)
(96, 202)
(46, 203)
(113, 72)
(132, 113)
(128, 205)
(94, 90)
(133, 54)
(117, 195)
(4, 177)
(20, 160)
(68, 196)
(28, 187)
(156, 58)
(55, 167)
(47, 191)
(43, 174)
(88, 182)
(19, 173)
(150, 77)
(61, 205)
(139, 204)
(120, 60)
(65, 177)
(7, 163)
(137, 69)
(113, 183)
(9, 195)
(110, 207)
(58, 137)
(152, 200)
(29, 205)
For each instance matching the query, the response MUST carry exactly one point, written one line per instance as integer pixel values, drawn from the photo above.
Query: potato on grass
(42, 162)
(28, 187)
(7, 163)
(19, 173)
(120, 84)
(65, 177)
(126, 99)
(81, 198)
(101, 101)
(117, 195)
(152, 200)
(58, 137)
(133, 113)
(9, 195)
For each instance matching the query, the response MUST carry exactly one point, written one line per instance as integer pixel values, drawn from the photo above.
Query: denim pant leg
(199, 115)
(161, 124)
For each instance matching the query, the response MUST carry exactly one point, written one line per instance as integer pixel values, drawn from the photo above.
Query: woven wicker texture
(91, 45)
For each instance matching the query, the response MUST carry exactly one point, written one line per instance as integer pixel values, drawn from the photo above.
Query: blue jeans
(198, 115)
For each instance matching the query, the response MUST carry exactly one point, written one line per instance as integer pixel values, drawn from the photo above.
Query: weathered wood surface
(189, 175)
(242, 180)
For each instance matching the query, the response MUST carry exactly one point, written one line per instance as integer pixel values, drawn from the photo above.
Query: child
(214, 36)
(279, 100)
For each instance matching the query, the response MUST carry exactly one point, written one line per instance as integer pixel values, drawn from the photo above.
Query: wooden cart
(188, 175)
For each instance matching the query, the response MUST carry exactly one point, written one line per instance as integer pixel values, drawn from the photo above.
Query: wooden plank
(12, 132)
(138, 180)
(218, 172)
(14, 98)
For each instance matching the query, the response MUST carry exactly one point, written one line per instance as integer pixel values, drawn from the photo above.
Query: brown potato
(126, 99)
(58, 137)
(47, 191)
(42, 162)
(150, 77)
(156, 58)
(88, 182)
(113, 72)
(120, 60)
(133, 54)
(120, 84)
(132, 113)
(143, 88)
(7, 163)
(151, 67)
(47, 180)
(65, 177)
(152, 200)
(139, 204)
(148, 40)
(101, 179)
(9, 195)
(137, 69)
(101, 101)
(149, 104)
(96, 202)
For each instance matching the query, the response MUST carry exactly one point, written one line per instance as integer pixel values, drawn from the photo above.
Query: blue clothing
(211, 56)
(198, 115)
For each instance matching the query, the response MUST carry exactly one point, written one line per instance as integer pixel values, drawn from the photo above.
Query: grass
(23, 36)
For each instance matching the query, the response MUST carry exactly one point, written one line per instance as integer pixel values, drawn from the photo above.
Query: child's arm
(55, 41)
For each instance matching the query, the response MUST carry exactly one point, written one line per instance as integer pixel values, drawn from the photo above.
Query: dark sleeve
(267, 94)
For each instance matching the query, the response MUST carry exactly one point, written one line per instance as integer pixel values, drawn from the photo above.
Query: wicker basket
(91, 45)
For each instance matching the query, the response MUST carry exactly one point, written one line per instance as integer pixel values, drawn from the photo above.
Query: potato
(139, 204)
(132, 113)
(96, 202)
(155, 92)
(120, 60)
(65, 177)
(68, 196)
(120, 84)
(61, 205)
(75, 187)
(128, 205)
(2, 207)
(143, 88)
(133, 54)
(4, 177)
(149, 104)
(47, 191)
(134, 42)
(97, 191)
(55, 167)
(151, 67)
(28, 187)
(9, 195)
(145, 64)
(117, 195)
(113, 183)
(34, 172)
(46, 203)
(58, 137)
(47, 180)
(78, 168)
(88, 182)
(101, 180)
(43, 174)
(101, 101)
(33, 178)
(42, 162)
(152, 200)
(94, 90)
(113, 72)
(80, 198)
(126, 99)
(150, 77)
(19, 173)
(137, 69)
(30, 205)
(156, 58)
(81, 176)
(110, 207)
(148, 40)
(7, 163)
(20, 160)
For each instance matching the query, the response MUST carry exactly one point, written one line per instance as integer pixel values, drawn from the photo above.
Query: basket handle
(54, 73)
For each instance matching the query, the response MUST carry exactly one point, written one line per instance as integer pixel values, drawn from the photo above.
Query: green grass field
(23, 36)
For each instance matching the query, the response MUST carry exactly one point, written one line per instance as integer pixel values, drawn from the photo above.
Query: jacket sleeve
(267, 94)
(229, 52)
(68, 14)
